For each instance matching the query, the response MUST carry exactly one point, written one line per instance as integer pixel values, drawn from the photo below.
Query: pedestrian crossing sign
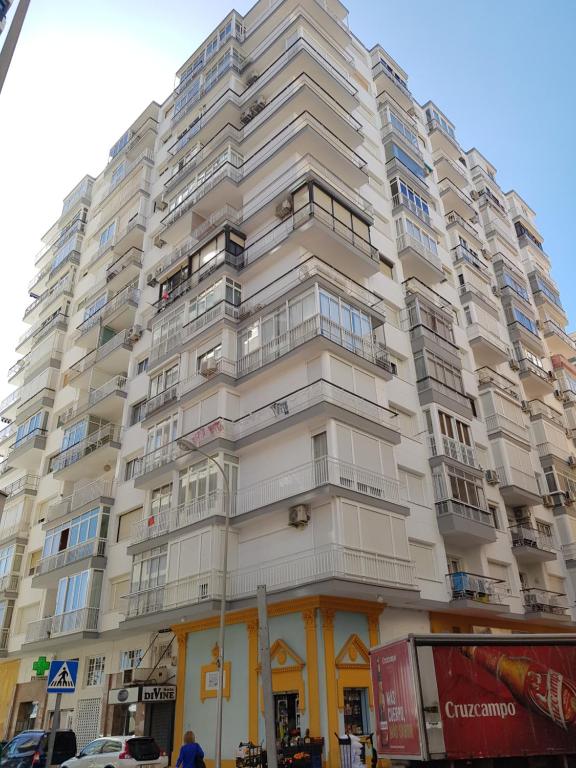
(62, 677)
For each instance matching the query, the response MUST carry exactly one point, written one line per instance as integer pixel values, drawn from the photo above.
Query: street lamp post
(188, 445)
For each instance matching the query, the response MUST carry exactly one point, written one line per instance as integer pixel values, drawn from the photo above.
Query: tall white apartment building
(298, 268)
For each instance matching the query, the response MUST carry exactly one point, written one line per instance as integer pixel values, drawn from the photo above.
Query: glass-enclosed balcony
(89, 456)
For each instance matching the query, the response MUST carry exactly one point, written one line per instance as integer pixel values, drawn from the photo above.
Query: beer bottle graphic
(382, 709)
(539, 688)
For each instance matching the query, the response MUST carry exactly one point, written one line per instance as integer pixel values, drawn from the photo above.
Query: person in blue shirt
(191, 754)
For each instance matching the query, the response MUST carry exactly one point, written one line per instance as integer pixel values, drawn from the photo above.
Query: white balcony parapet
(497, 421)
(407, 241)
(527, 536)
(455, 507)
(93, 548)
(85, 494)
(93, 357)
(115, 384)
(331, 561)
(39, 630)
(128, 295)
(508, 476)
(454, 449)
(9, 582)
(28, 482)
(82, 620)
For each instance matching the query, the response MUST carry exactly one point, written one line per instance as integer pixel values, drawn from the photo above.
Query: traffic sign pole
(55, 726)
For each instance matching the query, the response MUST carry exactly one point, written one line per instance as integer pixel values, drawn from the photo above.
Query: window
(142, 366)
(212, 356)
(130, 469)
(406, 160)
(402, 193)
(161, 500)
(117, 175)
(525, 321)
(120, 144)
(80, 529)
(405, 226)
(422, 555)
(223, 290)
(95, 306)
(517, 287)
(95, 670)
(137, 412)
(430, 365)
(72, 593)
(402, 128)
(493, 509)
(548, 292)
(33, 426)
(328, 204)
(544, 528)
(74, 434)
(10, 559)
(130, 659)
(163, 381)
(386, 267)
(149, 570)
(126, 523)
(33, 560)
(118, 590)
(162, 433)
(200, 481)
(107, 235)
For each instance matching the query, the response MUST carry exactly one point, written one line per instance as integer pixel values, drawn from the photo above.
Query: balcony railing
(9, 582)
(544, 601)
(317, 211)
(472, 586)
(168, 395)
(380, 69)
(463, 254)
(82, 620)
(454, 449)
(8, 431)
(34, 433)
(538, 408)
(26, 483)
(398, 200)
(436, 125)
(133, 257)
(110, 433)
(113, 385)
(332, 561)
(13, 397)
(407, 241)
(508, 476)
(101, 352)
(527, 536)
(455, 507)
(489, 377)
(454, 218)
(527, 366)
(128, 295)
(497, 421)
(552, 327)
(94, 548)
(85, 494)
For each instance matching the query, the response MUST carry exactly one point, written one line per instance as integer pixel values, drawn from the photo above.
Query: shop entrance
(286, 714)
(356, 711)
(159, 723)
(124, 719)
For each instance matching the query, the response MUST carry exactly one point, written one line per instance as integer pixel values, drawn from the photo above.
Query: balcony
(4, 635)
(464, 255)
(453, 199)
(498, 425)
(543, 604)
(537, 381)
(418, 260)
(111, 357)
(105, 402)
(402, 203)
(539, 410)
(431, 390)
(92, 554)
(495, 228)
(63, 288)
(19, 529)
(463, 525)
(387, 83)
(9, 401)
(490, 379)
(442, 141)
(456, 224)
(26, 453)
(124, 270)
(558, 341)
(530, 545)
(89, 457)
(334, 563)
(81, 624)
(99, 492)
(485, 338)
(58, 322)
(518, 487)
(455, 172)
(474, 592)
(117, 314)
(28, 484)
(9, 585)
(6, 433)
(453, 449)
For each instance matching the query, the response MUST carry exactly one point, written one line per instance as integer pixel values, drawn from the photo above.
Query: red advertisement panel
(500, 701)
(396, 701)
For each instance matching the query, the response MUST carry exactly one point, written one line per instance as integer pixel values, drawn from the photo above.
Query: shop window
(356, 718)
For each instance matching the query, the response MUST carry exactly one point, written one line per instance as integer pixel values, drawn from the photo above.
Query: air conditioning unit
(151, 280)
(284, 208)
(144, 674)
(558, 395)
(135, 333)
(572, 460)
(548, 500)
(257, 106)
(299, 516)
(161, 205)
(525, 405)
(495, 290)
(514, 364)
(491, 477)
(245, 117)
(474, 194)
(251, 79)
(208, 368)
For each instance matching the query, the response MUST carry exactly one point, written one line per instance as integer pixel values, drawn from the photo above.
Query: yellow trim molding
(309, 618)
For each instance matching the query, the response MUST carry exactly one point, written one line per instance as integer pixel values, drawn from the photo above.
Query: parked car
(119, 752)
(29, 749)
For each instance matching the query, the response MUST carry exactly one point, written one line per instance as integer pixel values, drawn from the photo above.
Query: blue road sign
(62, 677)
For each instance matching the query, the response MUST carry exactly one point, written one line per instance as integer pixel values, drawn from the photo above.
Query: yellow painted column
(331, 687)
(252, 629)
(180, 695)
(312, 667)
(374, 628)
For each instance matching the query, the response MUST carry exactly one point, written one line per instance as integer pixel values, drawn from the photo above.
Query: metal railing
(85, 494)
(471, 586)
(25, 483)
(115, 384)
(399, 200)
(429, 382)
(128, 295)
(93, 548)
(489, 377)
(162, 398)
(9, 400)
(454, 507)
(454, 218)
(316, 211)
(539, 408)
(436, 125)
(32, 435)
(551, 327)
(544, 601)
(38, 630)
(449, 186)
(454, 449)
(332, 561)
(9, 582)
(497, 421)
(110, 433)
(463, 254)
(380, 69)
(528, 536)
(132, 257)
(527, 366)
(405, 241)
(101, 352)
(82, 620)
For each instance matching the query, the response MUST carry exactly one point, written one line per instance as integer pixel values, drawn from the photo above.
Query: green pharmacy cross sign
(41, 666)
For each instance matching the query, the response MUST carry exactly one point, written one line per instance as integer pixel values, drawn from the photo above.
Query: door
(159, 724)
(286, 714)
(355, 711)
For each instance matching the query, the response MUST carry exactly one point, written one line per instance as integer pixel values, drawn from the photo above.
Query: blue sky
(502, 70)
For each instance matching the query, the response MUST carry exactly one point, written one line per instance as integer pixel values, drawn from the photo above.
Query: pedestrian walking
(191, 754)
